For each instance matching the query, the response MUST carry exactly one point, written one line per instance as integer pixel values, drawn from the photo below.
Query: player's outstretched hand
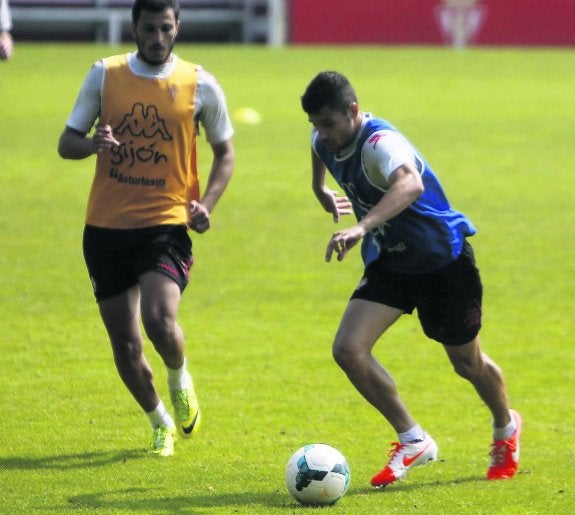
(342, 241)
(334, 204)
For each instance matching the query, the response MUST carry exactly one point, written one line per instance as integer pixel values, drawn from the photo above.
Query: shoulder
(186, 67)
(209, 93)
(385, 150)
(383, 141)
(94, 77)
(114, 61)
(207, 81)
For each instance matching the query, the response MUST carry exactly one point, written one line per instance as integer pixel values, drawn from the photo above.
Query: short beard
(154, 63)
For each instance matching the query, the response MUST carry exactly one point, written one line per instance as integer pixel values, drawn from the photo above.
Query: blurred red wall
(486, 22)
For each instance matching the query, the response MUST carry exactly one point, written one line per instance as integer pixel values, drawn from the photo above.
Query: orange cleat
(505, 454)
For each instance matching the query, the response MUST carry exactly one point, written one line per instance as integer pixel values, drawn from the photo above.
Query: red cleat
(505, 454)
(404, 457)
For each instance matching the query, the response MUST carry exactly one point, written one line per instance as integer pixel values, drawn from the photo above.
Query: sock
(504, 433)
(160, 417)
(415, 434)
(179, 378)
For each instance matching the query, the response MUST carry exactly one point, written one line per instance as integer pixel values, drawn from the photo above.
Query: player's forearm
(220, 175)
(73, 145)
(318, 176)
(217, 183)
(402, 193)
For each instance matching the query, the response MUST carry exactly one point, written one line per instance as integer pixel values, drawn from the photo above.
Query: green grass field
(262, 306)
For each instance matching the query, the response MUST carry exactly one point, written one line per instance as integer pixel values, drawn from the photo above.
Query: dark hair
(331, 89)
(155, 6)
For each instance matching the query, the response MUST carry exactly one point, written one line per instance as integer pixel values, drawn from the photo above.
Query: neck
(149, 63)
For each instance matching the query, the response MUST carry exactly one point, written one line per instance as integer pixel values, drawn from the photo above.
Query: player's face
(155, 34)
(336, 130)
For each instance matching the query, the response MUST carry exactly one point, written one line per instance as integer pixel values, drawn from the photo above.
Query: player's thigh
(166, 250)
(120, 314)
(449, 301)
(363, 322)
(160, 300)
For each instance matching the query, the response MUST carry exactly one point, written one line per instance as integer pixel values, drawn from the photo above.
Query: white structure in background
(252, 21)
(460, 21)
(265, 20)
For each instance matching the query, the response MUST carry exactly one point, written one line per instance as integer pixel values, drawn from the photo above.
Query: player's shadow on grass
(400, 486)
(70, 461)
(139, 500)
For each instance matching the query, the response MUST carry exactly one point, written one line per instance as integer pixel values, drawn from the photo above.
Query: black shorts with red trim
(448, 301)
(116, 258)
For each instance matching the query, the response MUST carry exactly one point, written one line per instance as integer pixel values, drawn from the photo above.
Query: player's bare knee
(470, 369)
(127, 353)
(345, 354)
(160, 330)
(340, 353)
(464, 370)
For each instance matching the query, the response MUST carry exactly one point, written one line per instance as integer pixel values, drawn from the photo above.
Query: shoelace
(499, 450)
(160, 434)
(181, 404)
(395, 448)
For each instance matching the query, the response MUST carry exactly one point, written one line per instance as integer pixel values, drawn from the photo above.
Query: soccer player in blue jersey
(417, 257)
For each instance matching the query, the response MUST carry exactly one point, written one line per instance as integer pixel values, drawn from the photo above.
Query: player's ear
(354, 109)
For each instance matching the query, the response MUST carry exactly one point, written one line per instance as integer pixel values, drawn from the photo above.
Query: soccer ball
(317, 474)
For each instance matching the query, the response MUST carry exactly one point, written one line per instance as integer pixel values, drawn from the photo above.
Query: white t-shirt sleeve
(5, 17)
(384, 152)
(211, 109)
(87, 107)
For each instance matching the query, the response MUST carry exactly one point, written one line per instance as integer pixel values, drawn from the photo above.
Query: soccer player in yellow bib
(146, 108)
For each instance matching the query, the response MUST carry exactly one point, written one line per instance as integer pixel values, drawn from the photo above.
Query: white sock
(412, 435)
(160, 417)
(504, 433)
(179, 378)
